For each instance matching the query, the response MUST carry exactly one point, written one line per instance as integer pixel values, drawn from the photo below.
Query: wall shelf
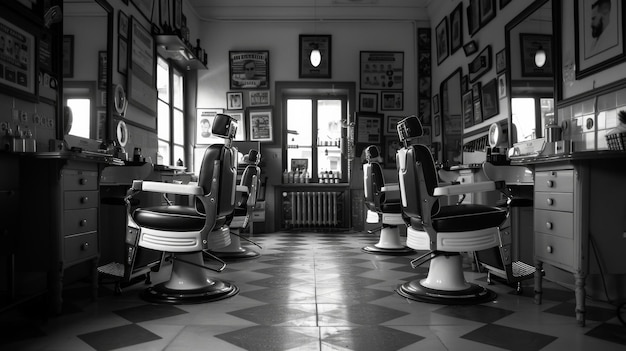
(172, 47)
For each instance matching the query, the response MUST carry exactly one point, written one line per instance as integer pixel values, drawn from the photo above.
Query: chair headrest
(252, 158)
(224, 126)
(372, 154)
(409, 128)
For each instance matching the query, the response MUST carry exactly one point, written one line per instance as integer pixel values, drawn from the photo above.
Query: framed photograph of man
(249, 69)
(204, 123)
(600, 35)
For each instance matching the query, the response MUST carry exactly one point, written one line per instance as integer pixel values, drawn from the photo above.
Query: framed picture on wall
(468, 109)
(122, 56)
(368, 102)
(381, 70)
(502, 89)
(436, 103)
(122, 24)
(260, 124)
(490, 101)
(390, 147)
(368, 128)
(391, 101)
(308, 43)
(18, 63)
(141, 69)
(598, 45)
(529, 45)
(441, 34)
(487, 11)
(391, 124)
(241, 124)
(259, 98)
(501, 61)
(249, 69)
(456, 28)
(480, 65)
(478, 112)
(204, 123)
(234, 100)
(473, 17)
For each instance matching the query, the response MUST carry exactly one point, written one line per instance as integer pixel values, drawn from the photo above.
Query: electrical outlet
(24, 117)
(36, 118)
(44, 121)
(51, 122)
(4, 126)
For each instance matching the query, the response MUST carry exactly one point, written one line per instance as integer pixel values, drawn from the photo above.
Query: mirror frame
(109, 76)
(459, 72)
(556, 60)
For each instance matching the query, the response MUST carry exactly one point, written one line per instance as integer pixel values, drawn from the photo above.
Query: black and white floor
(315, 291)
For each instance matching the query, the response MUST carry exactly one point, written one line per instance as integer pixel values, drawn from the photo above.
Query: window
(315, 136)
(170, 120)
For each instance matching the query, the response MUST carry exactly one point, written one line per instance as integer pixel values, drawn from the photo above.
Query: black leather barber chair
(443, 230)
(187, 233)
(383, 204)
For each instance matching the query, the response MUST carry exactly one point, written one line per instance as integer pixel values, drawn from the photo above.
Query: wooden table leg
(580, 297)
(538, 281)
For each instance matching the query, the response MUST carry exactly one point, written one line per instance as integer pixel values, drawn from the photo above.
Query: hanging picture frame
(260, 124)
(480, 65)
(204, 123)
(529, 45)
(249, 69)
(19, 76)
(391, 124)
(145, 7)
(382, 70)
(489, 99)
(468, 109)
(141, 69)
(501, 61)
(391, 101)
(259, 98)
(234, 100)
(441, 33)
(240, 135)
(594, 55)
(456, 28)
(309, 43)
(368, 102)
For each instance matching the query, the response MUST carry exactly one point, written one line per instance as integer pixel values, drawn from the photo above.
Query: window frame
(173, 70)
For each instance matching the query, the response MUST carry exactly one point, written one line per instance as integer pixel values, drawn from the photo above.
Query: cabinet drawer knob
(84, 199)
(83, 222)
(549, 249)
(550, 183)
(84, 246)
(550, 202)
(549, 225)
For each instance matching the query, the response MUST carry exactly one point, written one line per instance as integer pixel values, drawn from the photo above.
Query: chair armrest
(168, 188)
(241, 189)
(391, 187)
(460, 189)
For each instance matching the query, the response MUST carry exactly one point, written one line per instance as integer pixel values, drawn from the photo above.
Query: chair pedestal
(389, 243)
(445, 284)
(235, 251)
(189, 283)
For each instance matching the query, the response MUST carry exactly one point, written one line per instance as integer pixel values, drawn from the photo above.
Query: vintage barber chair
(383, 204)
(246, 193)
(445, 231)
(187, 233)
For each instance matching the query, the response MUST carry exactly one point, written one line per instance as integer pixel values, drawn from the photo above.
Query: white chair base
(189, 283)
(389, 243)
(235, 251)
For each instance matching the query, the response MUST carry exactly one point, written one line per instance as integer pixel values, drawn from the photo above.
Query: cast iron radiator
(312, 209)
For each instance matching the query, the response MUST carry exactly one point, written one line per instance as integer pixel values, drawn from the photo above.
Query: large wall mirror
(531, 60)
(451, 120)
(87, 68)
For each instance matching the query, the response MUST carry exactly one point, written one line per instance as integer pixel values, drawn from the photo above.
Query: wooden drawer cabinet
(80, 221)
(554, 201)
(80, 247)
(554, 223)
(555, 181)
(555, 250)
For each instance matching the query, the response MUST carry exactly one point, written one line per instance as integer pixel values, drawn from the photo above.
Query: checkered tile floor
(315, 291)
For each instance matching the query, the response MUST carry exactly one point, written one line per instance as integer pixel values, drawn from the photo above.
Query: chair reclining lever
(246, 239)
(218, 270)
(416, 262)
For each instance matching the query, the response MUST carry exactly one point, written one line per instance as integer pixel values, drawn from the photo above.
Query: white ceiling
(299, 10)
